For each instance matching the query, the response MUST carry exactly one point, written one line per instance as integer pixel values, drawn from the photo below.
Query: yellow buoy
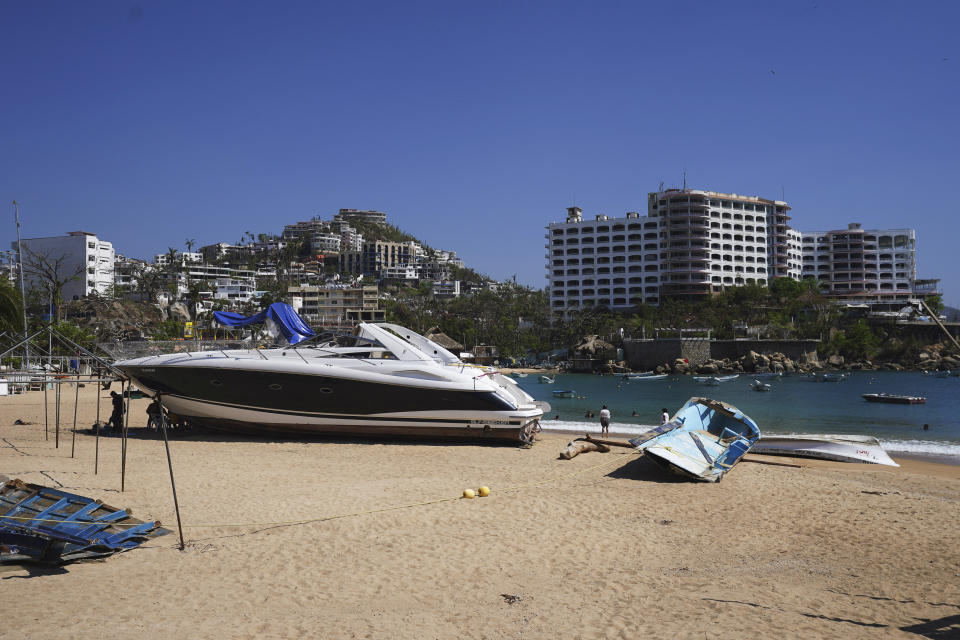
(483, 492)
(468, 493)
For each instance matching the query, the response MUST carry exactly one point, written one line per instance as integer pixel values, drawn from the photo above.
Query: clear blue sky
(473, 125)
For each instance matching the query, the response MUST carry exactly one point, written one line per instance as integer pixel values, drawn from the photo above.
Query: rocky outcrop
(112, 320)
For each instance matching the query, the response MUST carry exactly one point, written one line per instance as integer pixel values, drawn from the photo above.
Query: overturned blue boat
(43, 525)
(703, 441)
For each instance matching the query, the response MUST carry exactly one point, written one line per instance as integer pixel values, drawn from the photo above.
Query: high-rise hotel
(691, 243)
(866, 264)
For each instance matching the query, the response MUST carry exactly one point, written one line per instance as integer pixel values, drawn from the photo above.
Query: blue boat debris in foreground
(703, 441)
(49, 526)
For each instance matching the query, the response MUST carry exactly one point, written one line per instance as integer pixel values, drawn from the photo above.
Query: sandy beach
(350, 539)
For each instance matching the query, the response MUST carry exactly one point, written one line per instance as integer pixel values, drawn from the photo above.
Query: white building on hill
(80, 260)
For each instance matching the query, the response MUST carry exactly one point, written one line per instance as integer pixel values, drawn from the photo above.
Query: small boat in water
(842, 448)
(517, 374)
(892, 398)
(658, 376)
(632, 376)
(824, 377)
(547, 379)
(833, 377)
(703, 441)
(756, 385)
(564, 393)
(713, 381)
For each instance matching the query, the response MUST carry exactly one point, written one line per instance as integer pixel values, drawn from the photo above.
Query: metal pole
(96, 452)
(76, 403)
(46, 408)
(173, 486)
(23, 294)
(123, 434)
(58, 415)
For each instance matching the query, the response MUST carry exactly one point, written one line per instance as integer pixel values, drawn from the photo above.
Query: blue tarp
(282, 316)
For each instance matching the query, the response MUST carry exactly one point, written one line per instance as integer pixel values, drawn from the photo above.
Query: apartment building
(336, 306)
(377, 255)
(611, 262)
(350, 215)
(712, 240)
(125, 271)
(873, 264)
(183, 257)
(324, 242)
(79, 258)
(691, 243)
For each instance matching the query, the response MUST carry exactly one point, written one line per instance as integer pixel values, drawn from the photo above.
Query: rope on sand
(617, 457)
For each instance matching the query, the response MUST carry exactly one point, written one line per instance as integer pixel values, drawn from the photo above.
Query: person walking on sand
(664, 416)
(604, 420)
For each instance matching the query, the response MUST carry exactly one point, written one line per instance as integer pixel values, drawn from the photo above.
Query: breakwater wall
(649, 354)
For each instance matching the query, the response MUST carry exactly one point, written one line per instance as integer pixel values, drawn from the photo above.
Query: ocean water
(794, 406)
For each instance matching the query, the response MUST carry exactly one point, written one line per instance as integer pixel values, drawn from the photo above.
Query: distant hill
(952, 313)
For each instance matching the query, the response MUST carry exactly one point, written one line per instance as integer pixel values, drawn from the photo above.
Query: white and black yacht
(389, 381)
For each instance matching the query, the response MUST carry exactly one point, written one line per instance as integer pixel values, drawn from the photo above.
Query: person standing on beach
(604, 420)
(664, 417)
(116, 419)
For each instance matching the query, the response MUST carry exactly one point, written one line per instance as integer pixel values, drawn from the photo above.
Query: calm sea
(794, 406)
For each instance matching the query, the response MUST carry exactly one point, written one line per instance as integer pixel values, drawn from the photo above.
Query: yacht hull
(281, 402)
(509, 426)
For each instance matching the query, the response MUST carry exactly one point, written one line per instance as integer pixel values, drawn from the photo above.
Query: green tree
(11, 308)
(858, 342)
(52, 273)
(935, 302)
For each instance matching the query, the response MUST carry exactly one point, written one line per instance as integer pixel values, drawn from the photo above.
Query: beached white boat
(386, 380)
(843, 448)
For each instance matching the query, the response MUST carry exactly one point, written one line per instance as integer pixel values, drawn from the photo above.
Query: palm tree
(190, 243)
(11, 316)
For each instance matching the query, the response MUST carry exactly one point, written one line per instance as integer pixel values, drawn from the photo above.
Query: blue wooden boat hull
(703, 441)
(40, 524)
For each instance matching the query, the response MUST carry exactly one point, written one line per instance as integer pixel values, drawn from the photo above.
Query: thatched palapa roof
(444, 340)
(593, 345)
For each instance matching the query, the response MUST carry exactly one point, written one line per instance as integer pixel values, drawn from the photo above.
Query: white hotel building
(691, 243)
(83, 259)
(869, 264)
(612, 262)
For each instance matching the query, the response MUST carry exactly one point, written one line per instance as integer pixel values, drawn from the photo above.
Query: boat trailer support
(173, 485)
